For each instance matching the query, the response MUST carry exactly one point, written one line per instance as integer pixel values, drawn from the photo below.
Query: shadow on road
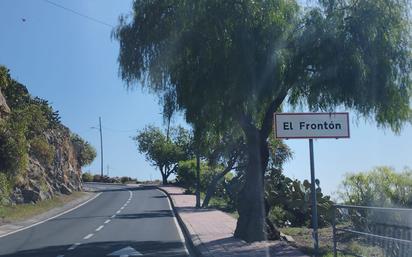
(147, 248)
(146, 215)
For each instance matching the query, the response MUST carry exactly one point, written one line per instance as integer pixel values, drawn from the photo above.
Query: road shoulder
(14, 227)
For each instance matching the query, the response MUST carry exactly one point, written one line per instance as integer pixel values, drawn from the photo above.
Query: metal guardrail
(386, 238)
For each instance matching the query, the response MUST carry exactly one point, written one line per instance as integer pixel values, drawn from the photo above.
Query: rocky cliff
(61, 176)
(39, 157)
(4, 108)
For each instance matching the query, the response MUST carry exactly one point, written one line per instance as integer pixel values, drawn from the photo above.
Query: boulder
(64, 189)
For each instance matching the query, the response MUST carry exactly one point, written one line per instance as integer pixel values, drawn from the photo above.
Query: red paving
(212, 231)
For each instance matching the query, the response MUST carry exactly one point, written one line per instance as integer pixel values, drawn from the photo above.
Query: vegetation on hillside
(26, 132)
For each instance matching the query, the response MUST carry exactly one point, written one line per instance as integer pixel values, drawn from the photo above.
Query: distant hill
(39, 156)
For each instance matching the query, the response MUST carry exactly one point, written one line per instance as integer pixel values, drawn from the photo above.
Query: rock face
(4, 108)
(62, 176)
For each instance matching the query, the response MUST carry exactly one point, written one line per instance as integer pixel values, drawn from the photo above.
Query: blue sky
(72, 62)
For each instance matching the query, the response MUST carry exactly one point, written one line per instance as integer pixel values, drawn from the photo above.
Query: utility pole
(101, 146)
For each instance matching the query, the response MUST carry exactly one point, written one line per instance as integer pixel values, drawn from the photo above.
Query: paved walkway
(211, 231)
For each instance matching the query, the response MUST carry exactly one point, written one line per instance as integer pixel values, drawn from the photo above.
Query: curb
(193, 250)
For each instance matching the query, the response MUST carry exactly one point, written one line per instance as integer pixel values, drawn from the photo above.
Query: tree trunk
(251, 204)
(164, 179)
(251, 207)
(212, 187)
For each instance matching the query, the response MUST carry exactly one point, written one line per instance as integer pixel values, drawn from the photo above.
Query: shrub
(97, 178)
(85, 152)
(13, 149)
(42, 150)
(123, 180)
(5, 188)
(186, 175)
(87, 177)
(381, 186)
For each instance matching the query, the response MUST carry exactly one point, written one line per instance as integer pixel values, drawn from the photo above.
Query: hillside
(39, 156)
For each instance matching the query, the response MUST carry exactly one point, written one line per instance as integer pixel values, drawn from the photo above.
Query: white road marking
(122, 208)
(58, 215)
(107, 221)
(126, 252)
(99, 228)
(113, 216)
(73, 247)
(179, 229)
(88, 236)
(118, 212)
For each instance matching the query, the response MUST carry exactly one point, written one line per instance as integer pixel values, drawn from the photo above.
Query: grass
(20, 212)
(221, 205)
(303, 241)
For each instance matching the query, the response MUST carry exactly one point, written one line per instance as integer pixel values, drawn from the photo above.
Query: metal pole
(101, 147)
(335, 253)
(197, 180)
(314, 201)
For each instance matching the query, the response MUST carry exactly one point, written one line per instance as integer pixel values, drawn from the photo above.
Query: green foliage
(382, 187)
(379, 187)
(5, 189)
(186, 175)
(13, 148)
(164, 151)
(124, 180)
(224, 58)
(290, 201)
(24, 130)
(42, 150)
(84, 151)
(87, 177)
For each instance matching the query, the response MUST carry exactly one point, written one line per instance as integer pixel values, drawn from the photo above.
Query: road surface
(121, 221)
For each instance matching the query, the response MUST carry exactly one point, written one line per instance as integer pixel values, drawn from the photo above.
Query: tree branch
(173, 169)
(268, 119)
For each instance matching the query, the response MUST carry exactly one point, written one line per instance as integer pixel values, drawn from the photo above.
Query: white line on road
(122, 208)
(99, 228)
(107, 221)
(113, 216)
(179, 229)
(88, 236)
(58, 215)
(118, 212)
(73, 247)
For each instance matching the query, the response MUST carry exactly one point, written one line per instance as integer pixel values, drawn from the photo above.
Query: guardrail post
(335, 254)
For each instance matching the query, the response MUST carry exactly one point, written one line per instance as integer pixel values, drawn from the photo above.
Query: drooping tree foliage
(235, 62)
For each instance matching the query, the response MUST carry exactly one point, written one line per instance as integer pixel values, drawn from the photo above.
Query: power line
(79, 14)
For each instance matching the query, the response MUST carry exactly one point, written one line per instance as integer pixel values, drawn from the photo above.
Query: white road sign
(312, 125)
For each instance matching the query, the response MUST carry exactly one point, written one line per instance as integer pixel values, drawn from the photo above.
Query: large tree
(236, 62)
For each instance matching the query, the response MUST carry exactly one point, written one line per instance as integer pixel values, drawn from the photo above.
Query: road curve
(121, 221)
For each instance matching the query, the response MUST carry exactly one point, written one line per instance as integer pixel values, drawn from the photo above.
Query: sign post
(314, 200)
(310, 126)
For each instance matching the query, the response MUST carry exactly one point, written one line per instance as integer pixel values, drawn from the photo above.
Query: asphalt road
(121, 221)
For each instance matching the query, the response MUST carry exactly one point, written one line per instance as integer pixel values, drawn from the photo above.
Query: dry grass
(304, 241)
(23, 211)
